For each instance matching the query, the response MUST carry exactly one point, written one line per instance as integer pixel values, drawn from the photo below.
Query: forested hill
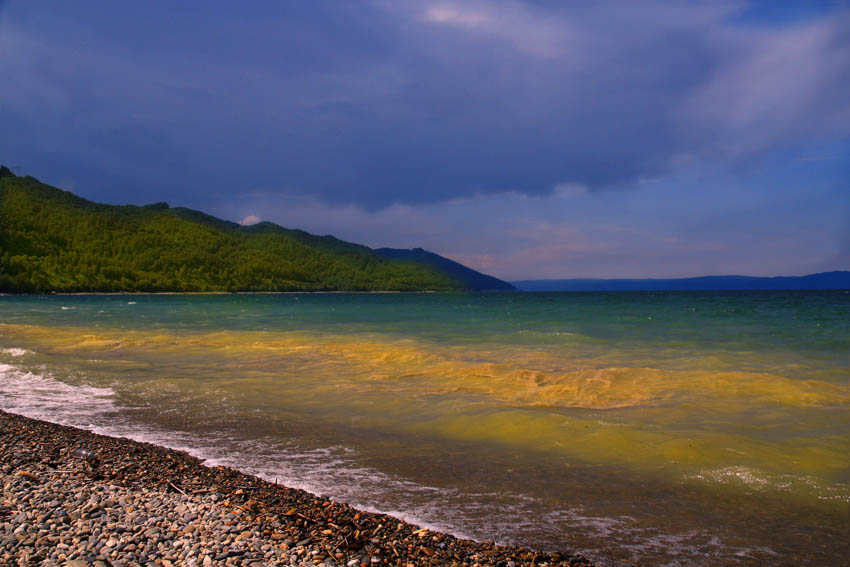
(54, 241)
(470, 278)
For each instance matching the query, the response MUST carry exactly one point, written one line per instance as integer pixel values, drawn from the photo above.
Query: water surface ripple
(645, 428)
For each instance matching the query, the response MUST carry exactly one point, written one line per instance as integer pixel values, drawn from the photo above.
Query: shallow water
(647, 428)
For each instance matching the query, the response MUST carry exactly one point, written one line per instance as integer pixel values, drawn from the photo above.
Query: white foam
(758, 480)
(16, 352)
(327, 471)
(734, 474)
(41, 397)
(647, 544)
(334, 471)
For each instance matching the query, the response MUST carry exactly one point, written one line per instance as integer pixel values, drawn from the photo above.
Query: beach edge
(288, 526)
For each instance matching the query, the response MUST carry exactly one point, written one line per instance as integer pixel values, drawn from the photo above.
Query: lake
(682, 428)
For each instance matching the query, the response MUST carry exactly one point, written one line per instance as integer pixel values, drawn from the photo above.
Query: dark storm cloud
(409, 102)
(139, 140)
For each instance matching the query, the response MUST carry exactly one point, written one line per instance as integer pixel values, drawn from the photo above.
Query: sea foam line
(328, 472)
(15, 352)
(332, 472)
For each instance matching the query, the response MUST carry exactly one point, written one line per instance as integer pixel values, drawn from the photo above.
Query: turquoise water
(641, 428)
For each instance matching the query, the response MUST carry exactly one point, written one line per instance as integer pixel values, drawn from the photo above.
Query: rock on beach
(77, 499)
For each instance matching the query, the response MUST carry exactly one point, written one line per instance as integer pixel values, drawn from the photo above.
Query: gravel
(76, 499)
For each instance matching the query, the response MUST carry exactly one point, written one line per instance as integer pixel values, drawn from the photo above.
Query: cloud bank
(386, 104)
(419, 102)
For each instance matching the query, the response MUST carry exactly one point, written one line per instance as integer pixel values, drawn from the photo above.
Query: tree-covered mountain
(469, 277)
(54, 241)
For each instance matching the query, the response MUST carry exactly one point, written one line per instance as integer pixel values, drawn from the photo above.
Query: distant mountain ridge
(823, 281)
(54, 241)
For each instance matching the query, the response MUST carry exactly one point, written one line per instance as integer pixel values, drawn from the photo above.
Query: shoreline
(88, 502)
(137, 293)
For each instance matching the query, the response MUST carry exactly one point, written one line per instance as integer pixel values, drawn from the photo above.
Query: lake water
(637, 428)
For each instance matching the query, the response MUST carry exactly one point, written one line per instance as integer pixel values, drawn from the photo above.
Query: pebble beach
(77, 499)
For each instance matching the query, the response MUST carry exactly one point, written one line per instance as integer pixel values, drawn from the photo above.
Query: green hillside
(53, 241)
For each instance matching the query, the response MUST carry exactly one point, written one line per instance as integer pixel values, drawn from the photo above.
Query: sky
(527, 139)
